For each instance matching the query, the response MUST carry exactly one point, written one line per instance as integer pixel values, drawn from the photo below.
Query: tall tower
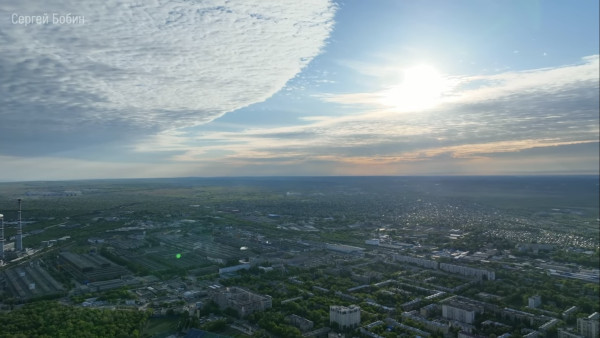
(1, 236)
(19, 238)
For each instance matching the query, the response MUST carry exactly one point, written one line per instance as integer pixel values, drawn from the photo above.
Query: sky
(125, 89)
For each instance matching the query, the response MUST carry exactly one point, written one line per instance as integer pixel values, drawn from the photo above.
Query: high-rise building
(588, 327)
(461, 310)
(345, 316)
(456, 313)
(19, 237)
(535, 301)
(1, 236)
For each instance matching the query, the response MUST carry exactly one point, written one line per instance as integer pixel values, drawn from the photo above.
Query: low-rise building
(233, 269)
(569, 312)
(433, 326)
(468, 271)
(300, 322)
(562, 333)
(243, 301)
(549, 324)
(346, 249)
(426, 263)
(372, 241)
(429, 310)
(90, 267)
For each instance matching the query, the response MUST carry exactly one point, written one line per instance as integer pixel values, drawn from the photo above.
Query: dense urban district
(301, 257)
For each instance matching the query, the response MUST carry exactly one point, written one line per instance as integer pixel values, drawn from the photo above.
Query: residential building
(426, 263)
(567, 334)
(460, 311)
(588, 327)
(535, 301)
(569, 312)
(233, 269)
(243, 301)
(346, 249)
(300, 322)
(468, 271)
(344, 316)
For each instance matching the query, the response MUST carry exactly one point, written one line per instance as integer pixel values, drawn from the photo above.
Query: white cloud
(135, 73)
(547, 80)
(471, 89)
(152, 65)
(515, 112)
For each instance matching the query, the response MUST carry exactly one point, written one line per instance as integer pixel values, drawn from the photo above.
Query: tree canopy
(51, 319)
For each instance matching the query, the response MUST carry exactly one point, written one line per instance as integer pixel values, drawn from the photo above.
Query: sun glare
(421, 88)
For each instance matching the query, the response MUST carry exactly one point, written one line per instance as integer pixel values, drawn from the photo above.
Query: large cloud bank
(146, 65)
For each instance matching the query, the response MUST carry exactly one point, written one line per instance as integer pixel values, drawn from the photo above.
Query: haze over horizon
(312, 88)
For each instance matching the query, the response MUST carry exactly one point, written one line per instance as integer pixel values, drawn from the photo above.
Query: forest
(51, 319)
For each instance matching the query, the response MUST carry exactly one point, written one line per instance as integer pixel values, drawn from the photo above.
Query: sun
(421, 88)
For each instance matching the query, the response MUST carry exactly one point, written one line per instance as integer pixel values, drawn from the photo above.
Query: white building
(346, 249)
(588, 327)
(232, 269)
(300, 322)
(570, 311)
(468, 271)
(567, 334)
(372, 241)
(460, 311)
(535, 301)
(243, 301)
(344, 316)
(426, 263)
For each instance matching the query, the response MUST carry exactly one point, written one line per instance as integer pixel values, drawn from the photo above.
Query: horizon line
(306, 176)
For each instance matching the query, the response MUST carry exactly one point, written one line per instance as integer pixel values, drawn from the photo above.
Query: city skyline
(171, 89)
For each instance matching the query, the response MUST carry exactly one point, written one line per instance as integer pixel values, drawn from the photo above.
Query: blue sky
(243, 88)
